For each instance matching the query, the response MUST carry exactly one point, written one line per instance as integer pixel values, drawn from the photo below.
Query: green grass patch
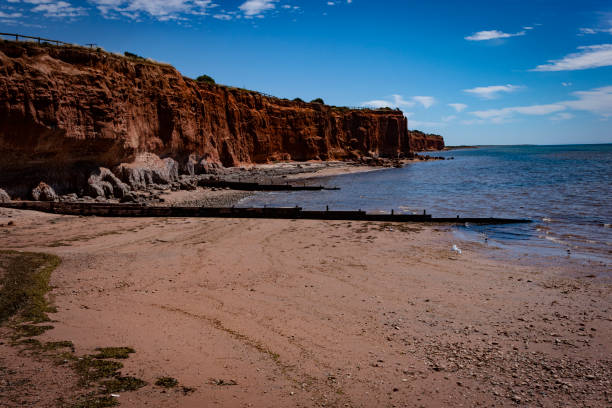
(29, 330)
(57, 345)
(24, 285)
(113, 352)
(120, 384)
(97, 402)
(223, 383)
(187, 390)
(166, 382)
(33, 344)
(90, 369)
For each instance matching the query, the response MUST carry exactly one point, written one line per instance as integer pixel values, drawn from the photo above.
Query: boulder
(147, 169)
(69, 197)
(205, 166)
(189, 166)
(187, 184)
(4, 197)
(103, 183)
(44, 192)
(129, 198)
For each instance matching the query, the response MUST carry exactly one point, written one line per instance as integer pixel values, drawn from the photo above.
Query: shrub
(206, 79)
(132, 55)
(318, 100)
(298, 100)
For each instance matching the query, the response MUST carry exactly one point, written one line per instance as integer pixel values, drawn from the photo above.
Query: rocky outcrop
(71, 110)
(421, 142)
(43, 192)
(103, 183)
(148, 169)
(4, 197)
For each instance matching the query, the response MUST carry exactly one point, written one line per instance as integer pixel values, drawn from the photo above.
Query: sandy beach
(276, 313)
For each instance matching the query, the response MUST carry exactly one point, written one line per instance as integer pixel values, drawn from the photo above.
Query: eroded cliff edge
(63, 108)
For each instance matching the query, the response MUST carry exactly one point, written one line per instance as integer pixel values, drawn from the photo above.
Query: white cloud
(378, 103)
(490, 92)
(10, 15)
(502, 115)
(252, 8)
(449, 118)
(597, 101)
(562, 116)
(587, 31)
(426, 101)
(590, 56)
(492, 35)
(225, 17)
(58, 9)
(162, 10)
(398, 101)
(458, 106)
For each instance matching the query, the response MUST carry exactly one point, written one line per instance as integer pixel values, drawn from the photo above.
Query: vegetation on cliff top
(205, 79)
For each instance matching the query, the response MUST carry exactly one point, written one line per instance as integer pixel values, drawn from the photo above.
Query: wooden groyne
(139, 210)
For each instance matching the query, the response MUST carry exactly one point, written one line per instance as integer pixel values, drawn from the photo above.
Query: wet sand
(316, 313)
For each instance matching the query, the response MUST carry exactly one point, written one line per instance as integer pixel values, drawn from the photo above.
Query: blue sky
(477, 72)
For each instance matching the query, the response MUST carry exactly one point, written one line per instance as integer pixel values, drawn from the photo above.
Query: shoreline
(291, 171)
(276, 172)
(312, 313)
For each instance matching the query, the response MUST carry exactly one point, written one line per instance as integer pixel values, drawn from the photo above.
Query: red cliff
(421, 142)
(67, 106)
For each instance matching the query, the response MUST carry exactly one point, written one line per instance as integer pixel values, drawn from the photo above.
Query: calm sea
(565, 190)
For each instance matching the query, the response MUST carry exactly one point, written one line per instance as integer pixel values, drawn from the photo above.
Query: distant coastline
(460, 147)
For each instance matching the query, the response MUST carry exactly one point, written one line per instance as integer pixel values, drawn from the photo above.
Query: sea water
(566, 190)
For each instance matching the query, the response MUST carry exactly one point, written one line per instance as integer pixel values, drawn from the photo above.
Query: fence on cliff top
(39, 39)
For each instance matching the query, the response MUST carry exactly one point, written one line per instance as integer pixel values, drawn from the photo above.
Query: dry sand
(314, 313)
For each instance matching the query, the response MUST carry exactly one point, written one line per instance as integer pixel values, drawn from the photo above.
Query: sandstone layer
(63, 108)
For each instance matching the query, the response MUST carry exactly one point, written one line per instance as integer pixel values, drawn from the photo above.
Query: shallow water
(566, 190)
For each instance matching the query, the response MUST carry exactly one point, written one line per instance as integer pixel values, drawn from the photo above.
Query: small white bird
(457, 250)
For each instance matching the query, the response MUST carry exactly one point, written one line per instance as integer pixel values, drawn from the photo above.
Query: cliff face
(421, 142)
(67, 106)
